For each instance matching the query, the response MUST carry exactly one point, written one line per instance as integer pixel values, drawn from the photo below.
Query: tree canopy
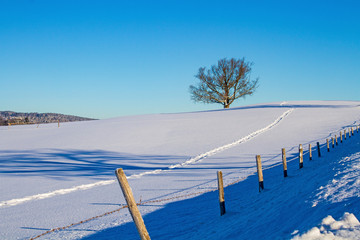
(224, 83)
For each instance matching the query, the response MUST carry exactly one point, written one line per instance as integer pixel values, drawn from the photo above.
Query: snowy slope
(52, 177)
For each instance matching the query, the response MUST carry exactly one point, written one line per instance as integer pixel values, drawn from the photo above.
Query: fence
(343, 135)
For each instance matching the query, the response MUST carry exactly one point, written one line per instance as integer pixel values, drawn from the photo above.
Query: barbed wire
(138, 204)
(158, 200)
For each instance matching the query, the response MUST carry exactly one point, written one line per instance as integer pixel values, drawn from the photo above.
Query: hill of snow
(54, 177)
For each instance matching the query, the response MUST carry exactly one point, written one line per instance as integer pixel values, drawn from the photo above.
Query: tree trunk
(227, 103)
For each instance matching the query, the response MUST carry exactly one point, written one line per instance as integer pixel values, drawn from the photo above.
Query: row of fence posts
(334, 141)
(139, 222)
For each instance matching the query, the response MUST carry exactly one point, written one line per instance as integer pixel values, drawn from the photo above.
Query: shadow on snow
(284, 206)
(68, 163)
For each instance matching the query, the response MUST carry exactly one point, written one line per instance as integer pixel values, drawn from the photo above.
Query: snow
(53, 177)
(348, 227)
(14, 202)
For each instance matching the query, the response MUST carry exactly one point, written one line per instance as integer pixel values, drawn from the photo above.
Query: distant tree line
(3, 121)
(7, 117)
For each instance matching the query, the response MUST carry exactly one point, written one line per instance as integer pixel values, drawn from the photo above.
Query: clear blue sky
(105, 59)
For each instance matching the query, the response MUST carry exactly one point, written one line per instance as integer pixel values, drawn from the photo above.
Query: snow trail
(212, 152)
(17, 201)
(192, 160)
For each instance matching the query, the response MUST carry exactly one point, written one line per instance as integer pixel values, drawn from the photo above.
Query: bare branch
(224, 83)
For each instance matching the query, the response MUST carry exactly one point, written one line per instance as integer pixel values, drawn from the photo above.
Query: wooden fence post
(345, 134)
(340, 136)
(221, 193)
(333, 142)
(352, 131)
(318, 148)
(284, 161)
(327, 144)
(58, 123)
(336, 141)
(260, 173)
(310, 152)
(133, 209)
(301, 159)
(349, 132)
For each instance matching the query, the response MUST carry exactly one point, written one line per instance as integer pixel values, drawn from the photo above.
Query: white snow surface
(53, 177)
(348, 227)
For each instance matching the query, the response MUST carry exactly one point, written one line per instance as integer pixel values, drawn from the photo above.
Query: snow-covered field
(53, 177)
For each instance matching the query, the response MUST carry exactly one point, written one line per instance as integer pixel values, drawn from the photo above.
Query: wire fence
(185, 196)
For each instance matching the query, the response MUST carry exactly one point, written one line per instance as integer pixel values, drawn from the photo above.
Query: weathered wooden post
(221, 193)
(58, 123)
(310, 152)
(327, 144)
(260, 173)
(345, 134)
(349, 132)
(352, 131)
(301, 159)
(333, 142)
(318, 148)
(336, 141)
(133, 209)
(340, 136)
(284, 161)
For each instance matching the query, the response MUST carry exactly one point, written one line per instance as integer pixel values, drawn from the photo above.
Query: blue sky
(105, 59)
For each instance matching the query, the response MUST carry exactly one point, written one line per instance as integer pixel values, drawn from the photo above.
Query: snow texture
(348, 227)
(193, 160)
(59, 183)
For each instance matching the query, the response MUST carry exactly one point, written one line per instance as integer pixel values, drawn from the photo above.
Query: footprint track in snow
(192, 160)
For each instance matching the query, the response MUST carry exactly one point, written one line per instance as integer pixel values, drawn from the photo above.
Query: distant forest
(14, 118)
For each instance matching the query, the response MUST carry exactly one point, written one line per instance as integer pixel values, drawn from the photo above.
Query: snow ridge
(192, 160)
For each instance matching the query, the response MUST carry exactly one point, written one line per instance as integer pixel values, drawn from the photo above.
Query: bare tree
(224, 83)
